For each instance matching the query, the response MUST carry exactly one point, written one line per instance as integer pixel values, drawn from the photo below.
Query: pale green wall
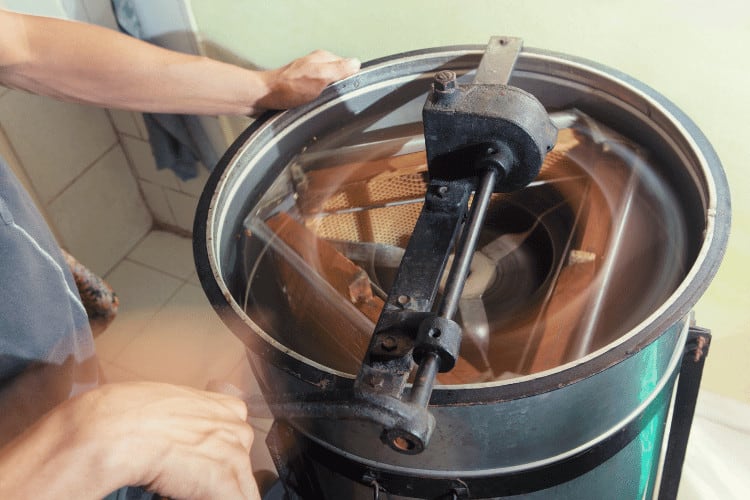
(694, 52)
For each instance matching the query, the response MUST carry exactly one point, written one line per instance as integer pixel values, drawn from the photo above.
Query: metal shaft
(454, 286)
(424, 380)
(428, 369)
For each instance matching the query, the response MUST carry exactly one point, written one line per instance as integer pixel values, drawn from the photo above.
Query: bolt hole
(435, 333)
(491, 151)
(403, 444)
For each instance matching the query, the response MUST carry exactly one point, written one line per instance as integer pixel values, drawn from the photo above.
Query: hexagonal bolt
(445, 81)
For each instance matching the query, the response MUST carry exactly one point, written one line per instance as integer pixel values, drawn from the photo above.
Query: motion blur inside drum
(575, 313)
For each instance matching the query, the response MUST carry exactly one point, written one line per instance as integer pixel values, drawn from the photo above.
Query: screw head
(445, 81)
(389, 343)
(375, 381)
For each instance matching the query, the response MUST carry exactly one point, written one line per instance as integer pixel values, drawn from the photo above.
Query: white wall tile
(101, 216)
(139, 153)
(143, 131)
(232, 126)
(183, 207)
(55, 141)
(194, 186)
(157, 203)
(214, 128)
(124, 122)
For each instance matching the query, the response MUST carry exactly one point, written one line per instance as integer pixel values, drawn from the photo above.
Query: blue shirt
(46, 345)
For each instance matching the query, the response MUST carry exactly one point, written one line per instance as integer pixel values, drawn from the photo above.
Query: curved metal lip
(220, 187)
(663, 384)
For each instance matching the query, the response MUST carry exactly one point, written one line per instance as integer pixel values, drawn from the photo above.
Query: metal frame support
(686, 397)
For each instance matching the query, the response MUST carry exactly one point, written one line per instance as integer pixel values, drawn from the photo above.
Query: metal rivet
(375, 381)
(389, 343)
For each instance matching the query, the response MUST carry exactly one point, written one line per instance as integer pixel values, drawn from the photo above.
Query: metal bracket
(498, 61)
(480, 138)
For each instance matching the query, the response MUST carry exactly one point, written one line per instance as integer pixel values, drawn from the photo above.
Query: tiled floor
(166, 331)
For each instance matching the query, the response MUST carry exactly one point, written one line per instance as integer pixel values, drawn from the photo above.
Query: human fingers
(321, 55)
(201, 451)
(339, 69)
(232, 456)
(323, 65)
(190, 429)
(233, 403)
(146, 393)
(189, 443)
(217, 466)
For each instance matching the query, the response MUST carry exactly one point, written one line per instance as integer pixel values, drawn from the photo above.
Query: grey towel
(178, 142)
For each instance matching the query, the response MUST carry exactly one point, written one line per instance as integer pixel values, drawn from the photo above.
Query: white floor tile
(113, 373)
(142, 292)
(167, 331)
(166, 252)
(718, 455)
(259, 454)
(241, 376)
(243, 379)
(184, 343)
(194, 279)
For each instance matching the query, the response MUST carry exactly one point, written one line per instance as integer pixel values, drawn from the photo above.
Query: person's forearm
(50, 460)
(89, 64)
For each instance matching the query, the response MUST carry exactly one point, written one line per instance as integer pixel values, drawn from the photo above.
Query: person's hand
(176, 441)
(303, 79)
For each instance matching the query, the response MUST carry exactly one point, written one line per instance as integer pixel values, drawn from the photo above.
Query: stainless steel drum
(578, 309)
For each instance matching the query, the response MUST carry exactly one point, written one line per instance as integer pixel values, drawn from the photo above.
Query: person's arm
(89, 64)
(176, 441)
